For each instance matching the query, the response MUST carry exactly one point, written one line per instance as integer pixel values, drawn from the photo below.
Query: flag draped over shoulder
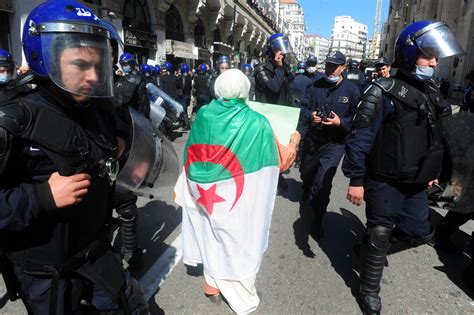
(227, 189)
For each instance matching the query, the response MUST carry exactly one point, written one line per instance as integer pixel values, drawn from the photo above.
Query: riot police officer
(201, 87)
(130, 90)
(7, 68)
(248, 71)
(10, 84)
(354, 74)
(273, 77)
(186, 86)
(302, 81)
(147, 73)
(327, 108)
(56, 169)
(223, 64)
(395, 150)
(169, 82)
(272, 80)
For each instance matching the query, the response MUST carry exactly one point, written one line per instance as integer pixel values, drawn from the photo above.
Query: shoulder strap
(403, 92)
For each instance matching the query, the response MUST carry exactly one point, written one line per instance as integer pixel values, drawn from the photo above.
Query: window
(174, 25)
(136, 14)
(199, 34)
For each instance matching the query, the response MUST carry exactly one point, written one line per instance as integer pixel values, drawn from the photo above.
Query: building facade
(349, 37)
(459, 14)
(292, 12)
(319, 46)
(193, 31)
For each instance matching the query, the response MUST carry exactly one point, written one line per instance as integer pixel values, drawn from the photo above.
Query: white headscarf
(232, 83)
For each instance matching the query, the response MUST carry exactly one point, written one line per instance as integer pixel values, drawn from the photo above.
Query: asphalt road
(299, 275)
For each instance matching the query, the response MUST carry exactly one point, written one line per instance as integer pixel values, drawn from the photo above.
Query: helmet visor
(79, 63)
(280, 44)
(439, 42)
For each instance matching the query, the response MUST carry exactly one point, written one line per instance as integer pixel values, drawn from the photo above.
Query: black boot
(374, 252)
(400, 241)
(132, 254)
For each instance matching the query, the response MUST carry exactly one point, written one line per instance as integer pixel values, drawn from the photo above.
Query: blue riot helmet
(146, 70)
(7, 67)
(127, 62)
(66, 42)
(223, 64)
(157, 69)
(184, 68)
(168, 66)
(430, 38)
(247, 69)
(277, 42)
(223, 59)
(202, 69)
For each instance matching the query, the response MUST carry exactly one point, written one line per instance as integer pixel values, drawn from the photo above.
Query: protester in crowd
(228, 201)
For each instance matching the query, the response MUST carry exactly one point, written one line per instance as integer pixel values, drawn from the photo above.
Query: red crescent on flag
(218, 154)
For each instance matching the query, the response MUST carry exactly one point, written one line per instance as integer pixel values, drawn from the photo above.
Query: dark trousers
(318, 166)
(403, 205)
(202, 100)
(185, 99)
(71, 291)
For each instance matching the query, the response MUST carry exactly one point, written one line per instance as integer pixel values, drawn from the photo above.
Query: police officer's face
(425, 61)
(223, 67)
(333, 70)
(79, 71)
(384, 71)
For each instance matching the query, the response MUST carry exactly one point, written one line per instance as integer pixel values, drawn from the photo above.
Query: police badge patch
(343, 99)
(403, 91)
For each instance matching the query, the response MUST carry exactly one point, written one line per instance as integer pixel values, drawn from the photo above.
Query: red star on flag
(207, 198)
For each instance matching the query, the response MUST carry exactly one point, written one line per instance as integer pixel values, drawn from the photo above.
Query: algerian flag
(227, 189)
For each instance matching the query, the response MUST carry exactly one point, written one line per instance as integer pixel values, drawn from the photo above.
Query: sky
(319, 14)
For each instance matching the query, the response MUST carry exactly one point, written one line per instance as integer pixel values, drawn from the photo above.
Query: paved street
(299, 275)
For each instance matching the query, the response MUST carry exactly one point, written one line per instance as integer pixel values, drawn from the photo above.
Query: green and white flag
(227, 189)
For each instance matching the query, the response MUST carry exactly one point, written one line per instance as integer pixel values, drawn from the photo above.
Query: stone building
(349, 37)
(319, 46)
(292, 12)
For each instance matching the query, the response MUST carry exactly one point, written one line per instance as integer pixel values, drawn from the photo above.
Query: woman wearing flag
(227, 191)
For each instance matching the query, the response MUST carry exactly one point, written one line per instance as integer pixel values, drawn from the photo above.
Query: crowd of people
(66, 133)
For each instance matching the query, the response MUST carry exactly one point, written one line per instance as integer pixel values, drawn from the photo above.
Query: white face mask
(311, 69)
(4, 78)
(423, 73)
